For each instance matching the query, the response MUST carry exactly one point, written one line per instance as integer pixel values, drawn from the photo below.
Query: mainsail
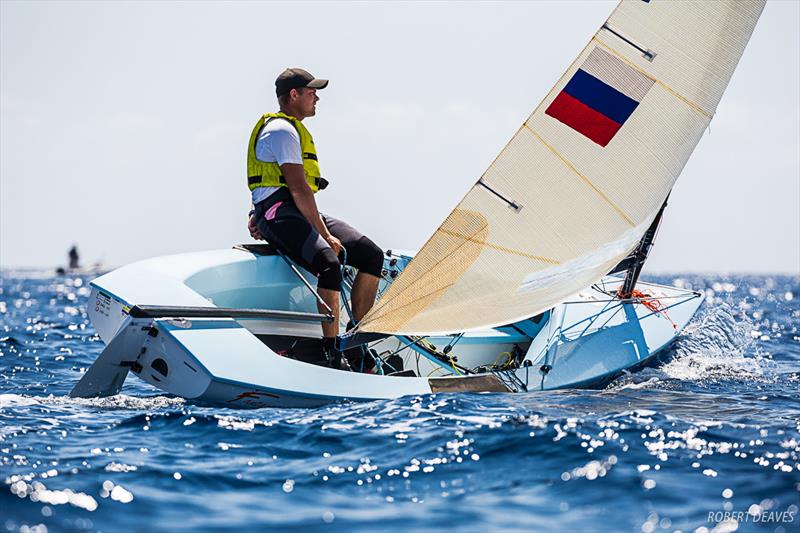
(582, 179)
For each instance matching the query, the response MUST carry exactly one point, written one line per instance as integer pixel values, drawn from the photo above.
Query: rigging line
(586, 180)
(592, 319)
(343, 293)
(669, 89)
(597, 288)
(688, 298)
(446, 361)
(635, 300)
(513, 376)
(304, 280)
(502, 248)
(558, 333)
(454, 340)
(615, 313)
(402, 347)
(551, 334)
(507, 383)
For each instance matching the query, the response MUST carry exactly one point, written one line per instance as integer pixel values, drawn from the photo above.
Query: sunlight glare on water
(709, 440)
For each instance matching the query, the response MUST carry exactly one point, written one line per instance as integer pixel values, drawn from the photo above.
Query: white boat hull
(583, 343)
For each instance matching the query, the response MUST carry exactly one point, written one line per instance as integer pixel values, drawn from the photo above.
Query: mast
(635, 262)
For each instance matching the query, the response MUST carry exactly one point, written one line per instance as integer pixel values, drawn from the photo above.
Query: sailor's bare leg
(365, 287)
(329, 329)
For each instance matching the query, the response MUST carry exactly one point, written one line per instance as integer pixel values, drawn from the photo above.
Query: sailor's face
(307, 101)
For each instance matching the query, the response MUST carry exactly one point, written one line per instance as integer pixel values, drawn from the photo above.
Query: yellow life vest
(263, 174)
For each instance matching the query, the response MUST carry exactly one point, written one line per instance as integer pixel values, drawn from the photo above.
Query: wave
(10, 340)
(716, 345)
(120, 401)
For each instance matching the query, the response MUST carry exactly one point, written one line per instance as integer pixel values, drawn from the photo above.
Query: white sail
(581, 180)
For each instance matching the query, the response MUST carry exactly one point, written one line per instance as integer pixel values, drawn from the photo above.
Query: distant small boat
(94, 270)
(75, 269)
(514, 292)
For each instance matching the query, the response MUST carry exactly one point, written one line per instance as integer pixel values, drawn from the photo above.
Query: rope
(506, 364)
(444, 358)
(652, 303)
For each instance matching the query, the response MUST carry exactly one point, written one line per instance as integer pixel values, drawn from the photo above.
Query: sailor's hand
(253, 229)
(334, 243)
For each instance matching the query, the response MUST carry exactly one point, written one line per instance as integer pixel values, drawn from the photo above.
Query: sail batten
(584, 177)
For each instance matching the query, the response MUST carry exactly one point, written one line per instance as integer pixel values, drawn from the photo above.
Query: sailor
(73, 257)
(283, 174)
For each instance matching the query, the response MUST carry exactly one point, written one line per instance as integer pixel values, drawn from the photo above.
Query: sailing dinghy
(531, 283)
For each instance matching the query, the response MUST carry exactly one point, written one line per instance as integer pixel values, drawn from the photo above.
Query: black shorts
(284, 226)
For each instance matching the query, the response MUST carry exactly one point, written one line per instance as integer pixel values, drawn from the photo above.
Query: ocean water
(707, 441)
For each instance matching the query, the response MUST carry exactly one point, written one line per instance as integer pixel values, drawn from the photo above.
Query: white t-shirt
(278, 141)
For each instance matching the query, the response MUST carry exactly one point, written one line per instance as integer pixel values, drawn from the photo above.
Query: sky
(123, 125)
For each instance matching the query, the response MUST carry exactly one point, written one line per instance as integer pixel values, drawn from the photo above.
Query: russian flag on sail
(600, 97)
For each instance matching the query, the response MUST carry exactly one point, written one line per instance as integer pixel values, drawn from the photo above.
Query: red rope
(650, 302)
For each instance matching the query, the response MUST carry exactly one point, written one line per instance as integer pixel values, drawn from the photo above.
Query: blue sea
(709, 440)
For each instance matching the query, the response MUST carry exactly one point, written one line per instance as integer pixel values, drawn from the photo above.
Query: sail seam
(586, 180)
(384, 301)
(669, 89)
(502, 248)
(378, 315)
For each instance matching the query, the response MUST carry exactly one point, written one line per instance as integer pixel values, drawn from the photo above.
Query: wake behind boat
(512, 293)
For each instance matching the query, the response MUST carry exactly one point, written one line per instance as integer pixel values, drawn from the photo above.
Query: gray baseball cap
(294, 78)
